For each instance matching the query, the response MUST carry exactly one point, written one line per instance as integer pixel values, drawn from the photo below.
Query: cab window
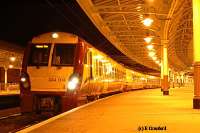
(39, 55)
(63, 55)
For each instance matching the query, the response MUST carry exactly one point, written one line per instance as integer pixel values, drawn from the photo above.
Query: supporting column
(161, 74)
(6, 78)
(165, 68)
(196, 47)
(182, 79)
(173, 78)
(196, 99)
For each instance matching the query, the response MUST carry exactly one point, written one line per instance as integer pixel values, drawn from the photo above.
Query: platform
(9, 92)
(10, 89)
(128, 112)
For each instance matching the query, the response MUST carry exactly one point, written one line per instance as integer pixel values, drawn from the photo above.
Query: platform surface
(9, 92)
(129, 112)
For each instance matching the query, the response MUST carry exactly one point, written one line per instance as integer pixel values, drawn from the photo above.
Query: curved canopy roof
(121, 22)
(10, 55)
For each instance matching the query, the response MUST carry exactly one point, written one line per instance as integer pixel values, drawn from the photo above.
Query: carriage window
(100, 68)
(63, 55)
(39, 55)
(86, 58)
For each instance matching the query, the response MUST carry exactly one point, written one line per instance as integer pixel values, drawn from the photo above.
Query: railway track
(11, 119)
(9, 101)
(16, 122)
(9, 116)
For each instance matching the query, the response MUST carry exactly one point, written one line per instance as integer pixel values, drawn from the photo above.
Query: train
(61, 71)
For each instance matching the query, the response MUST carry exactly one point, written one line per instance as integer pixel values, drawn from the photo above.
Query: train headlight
(24, 80)
(71, 86)
(75, 80)
(73, 83)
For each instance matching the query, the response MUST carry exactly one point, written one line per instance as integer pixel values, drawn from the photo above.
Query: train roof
(62, 37)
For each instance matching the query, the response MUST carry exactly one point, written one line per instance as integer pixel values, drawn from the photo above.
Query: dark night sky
(21, 20)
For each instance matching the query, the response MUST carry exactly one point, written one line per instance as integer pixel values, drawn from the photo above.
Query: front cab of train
(51, 72)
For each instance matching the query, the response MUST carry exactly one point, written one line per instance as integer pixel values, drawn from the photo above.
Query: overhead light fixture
(12, 58)
(147, 22)
(154, 58)
(157, 62)
(148, 39)
(152, 54)
(150, 47)
(10, 66)
(138, 7)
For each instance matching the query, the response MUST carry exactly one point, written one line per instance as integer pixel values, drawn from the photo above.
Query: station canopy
(10, 55)
(121, 22)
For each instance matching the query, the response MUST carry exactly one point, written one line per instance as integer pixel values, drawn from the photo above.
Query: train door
(90, 65)
(87, 86)
(105, 76)
(86, 74)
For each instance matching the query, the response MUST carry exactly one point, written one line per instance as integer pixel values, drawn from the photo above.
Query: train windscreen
(39, 55)
(63, 55)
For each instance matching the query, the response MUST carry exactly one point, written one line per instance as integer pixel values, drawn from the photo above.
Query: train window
(118, 74)
(97, 68)
(63, 55)
(39, 55)
(113, 73)
(90, 64)
(86, 57)
(100, 68)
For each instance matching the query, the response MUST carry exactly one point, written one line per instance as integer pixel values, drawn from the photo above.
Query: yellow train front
(61, 71)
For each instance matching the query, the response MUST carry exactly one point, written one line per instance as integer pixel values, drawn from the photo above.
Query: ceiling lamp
(12, 58)
(147, 22)
(10, 66)
(138, 7)
(154, 58)
(148, 39)
(151, 54)
(150, 47)
(157, 62)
